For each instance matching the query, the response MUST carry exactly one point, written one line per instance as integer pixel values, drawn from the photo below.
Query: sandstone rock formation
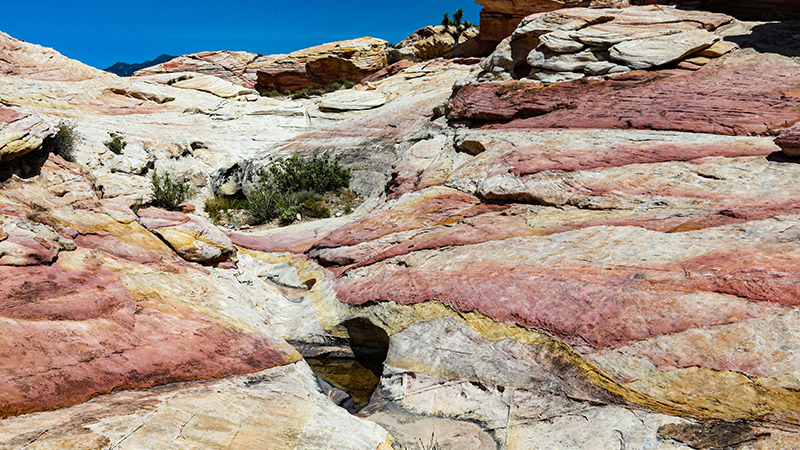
(322, 65)
(608, 262)
(234, 66)
(499, 18)
(427, 43)
(40, 63)
(567, 44)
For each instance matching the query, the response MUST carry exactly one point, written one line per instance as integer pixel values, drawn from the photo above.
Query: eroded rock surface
(322, 65)
(605, 263)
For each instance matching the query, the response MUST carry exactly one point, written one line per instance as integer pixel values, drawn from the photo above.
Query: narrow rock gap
(351, 366)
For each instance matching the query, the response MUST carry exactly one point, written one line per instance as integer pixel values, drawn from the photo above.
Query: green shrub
(318, 174)
(272, 93)
(64, 142)
(348, 209)
(306, 93)
(294, 186)
(218, 204)
(116, 145)
(168, 193)
(262, 203)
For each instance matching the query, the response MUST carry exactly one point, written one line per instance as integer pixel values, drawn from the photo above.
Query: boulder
(324, 64)
(561, 41)
(193, 237)
(556, 62)
(212, 85)
(569, 39)
(789, 140)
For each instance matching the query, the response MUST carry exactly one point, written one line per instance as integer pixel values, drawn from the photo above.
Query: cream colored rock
(21, 133)
(561, 41)
(213, 85)
(351, 100)
(658, 51)
(570, 62)
(280, 408)
(718, 49)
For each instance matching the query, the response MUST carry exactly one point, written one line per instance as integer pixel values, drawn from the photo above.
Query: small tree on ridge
(456, 27)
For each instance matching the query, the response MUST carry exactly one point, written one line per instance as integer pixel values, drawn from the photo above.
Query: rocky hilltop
(588, 239)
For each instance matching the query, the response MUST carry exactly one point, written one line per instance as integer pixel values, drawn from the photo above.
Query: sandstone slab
(658, 51)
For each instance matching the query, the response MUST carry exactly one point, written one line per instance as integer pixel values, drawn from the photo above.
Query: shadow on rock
(782, 38)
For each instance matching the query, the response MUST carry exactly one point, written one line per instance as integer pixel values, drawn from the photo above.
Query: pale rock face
(605, 263)
(280, 408)
(561, 41)
(647, 53)
(573, 62)
(351, 100)
(21, 133)
(35, 62)
(213, 85)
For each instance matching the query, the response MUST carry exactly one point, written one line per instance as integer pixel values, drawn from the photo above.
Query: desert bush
(64, 142)
(318, 174)
(272, 93)
(116, 145)
(168, 193)
(294, 186)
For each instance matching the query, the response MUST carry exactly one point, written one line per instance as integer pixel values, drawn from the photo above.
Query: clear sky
(101, 33)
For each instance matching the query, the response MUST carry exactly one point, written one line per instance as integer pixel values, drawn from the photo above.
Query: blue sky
(101, 33)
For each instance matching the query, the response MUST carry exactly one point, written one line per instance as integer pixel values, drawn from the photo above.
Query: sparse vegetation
(218, 206)
(311, 92)
(64, 142)
(456, 27)
(318, 174)
(116, 145)
(272, 93)
(168, 193)
(294, 187)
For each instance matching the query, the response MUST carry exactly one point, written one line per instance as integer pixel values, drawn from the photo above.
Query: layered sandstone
(322, 65)
(604, 263)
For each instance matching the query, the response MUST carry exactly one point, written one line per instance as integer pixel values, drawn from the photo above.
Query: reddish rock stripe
(421, 212)
(530, 160)
(286, 240)
(735, 97)
(601, 308)
(68, 336)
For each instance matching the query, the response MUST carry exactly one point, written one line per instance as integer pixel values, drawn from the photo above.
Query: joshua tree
(455, 27)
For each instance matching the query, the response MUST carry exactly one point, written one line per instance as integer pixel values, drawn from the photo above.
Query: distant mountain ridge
(125, 70)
